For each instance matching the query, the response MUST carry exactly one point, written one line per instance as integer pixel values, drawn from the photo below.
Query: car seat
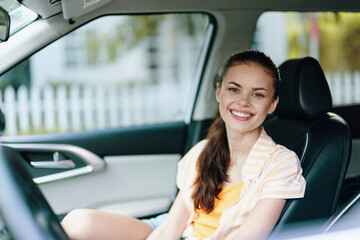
(302, 122)
(346, 217)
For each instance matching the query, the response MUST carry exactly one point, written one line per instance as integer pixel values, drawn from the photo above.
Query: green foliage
(330, 55)
(93, 47)
(130, 31)
(339, 40)
(350, 41)
(295, 31)
(17, 76)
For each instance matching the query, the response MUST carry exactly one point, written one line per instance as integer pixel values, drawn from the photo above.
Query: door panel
(146, 139)
(124, 180)
(139, 168)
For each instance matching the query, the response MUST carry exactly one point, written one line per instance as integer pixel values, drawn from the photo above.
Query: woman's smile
(245, 97)
(241, 115)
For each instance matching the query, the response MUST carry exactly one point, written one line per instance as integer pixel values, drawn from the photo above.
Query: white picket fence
(75, 108)
(345, 88)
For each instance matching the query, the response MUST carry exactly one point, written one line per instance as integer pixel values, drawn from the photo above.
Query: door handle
(91, 161)
(58, 162)
(53, 164)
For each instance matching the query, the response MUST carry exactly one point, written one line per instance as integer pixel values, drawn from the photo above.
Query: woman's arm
(262, 219)
(174, 224)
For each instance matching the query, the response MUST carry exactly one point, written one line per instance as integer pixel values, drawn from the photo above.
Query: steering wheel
(23, 208)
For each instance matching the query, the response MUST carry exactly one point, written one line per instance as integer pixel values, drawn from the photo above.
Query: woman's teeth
(239, 114)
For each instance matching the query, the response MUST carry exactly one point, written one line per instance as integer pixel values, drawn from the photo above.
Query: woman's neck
(240, 144)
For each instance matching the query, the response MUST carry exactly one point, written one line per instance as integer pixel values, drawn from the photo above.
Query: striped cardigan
(270, 171)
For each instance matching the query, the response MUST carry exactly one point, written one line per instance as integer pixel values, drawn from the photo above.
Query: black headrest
(303, 91)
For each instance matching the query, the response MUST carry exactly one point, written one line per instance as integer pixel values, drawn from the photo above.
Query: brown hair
(214, 160)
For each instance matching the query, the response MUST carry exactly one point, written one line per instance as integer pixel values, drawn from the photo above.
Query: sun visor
(45, 9)
(77, 8)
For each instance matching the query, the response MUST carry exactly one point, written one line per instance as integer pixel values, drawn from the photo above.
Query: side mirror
(4, 25)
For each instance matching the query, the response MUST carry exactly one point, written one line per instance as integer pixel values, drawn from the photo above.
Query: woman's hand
(175, 222)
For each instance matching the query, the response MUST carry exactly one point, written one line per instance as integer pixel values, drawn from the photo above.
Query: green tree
(350, 41)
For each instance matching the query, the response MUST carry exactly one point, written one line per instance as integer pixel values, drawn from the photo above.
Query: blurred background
(139, 69)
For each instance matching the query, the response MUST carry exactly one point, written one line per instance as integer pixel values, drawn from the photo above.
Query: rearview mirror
(4, 25)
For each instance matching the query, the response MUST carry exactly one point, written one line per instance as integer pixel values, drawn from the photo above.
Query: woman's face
(245, 97)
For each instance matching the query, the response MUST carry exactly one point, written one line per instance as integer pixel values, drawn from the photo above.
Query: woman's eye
(233, 90)
(258, 95)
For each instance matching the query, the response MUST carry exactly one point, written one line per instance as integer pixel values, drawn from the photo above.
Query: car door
(103, 115)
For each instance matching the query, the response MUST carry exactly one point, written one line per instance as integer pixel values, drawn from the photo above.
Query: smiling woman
(218, 197)
(132, 82)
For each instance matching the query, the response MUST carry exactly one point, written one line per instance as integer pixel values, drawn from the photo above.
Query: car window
(114, 71)
(332, 38)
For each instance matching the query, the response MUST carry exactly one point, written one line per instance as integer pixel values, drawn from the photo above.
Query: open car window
(114, 71)
(329, 37)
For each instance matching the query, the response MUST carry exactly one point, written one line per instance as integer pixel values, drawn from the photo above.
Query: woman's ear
(273, 105)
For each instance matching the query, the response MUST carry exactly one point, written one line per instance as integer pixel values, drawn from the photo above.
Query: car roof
(78, 8)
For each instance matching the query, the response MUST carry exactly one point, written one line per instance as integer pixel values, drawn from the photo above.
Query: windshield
(20, 16)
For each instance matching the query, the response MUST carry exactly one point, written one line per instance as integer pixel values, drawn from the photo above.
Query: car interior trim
(63, 175)
(340, 214)
(93, 162)
(199, 72)
(306, 143)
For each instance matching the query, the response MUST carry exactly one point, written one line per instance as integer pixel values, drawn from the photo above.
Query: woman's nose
(243, 100)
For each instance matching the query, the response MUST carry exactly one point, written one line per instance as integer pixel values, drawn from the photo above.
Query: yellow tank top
(206, 224)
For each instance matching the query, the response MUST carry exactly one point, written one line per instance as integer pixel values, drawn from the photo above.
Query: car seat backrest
(302, 122)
